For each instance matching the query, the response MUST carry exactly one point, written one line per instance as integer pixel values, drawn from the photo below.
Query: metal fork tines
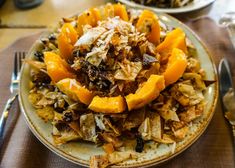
(18, 57)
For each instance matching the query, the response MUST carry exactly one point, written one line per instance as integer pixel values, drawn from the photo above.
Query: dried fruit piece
(139, 144)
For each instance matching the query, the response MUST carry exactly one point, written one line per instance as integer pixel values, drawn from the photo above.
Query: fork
(14, 91)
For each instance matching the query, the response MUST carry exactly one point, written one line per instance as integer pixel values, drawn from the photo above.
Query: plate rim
(165, 10)
(144, 164)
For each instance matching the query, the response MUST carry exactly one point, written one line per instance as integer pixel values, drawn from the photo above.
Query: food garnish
(113, 75)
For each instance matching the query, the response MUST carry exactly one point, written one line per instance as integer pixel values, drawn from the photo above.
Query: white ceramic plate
(80, 152)
(195, 5)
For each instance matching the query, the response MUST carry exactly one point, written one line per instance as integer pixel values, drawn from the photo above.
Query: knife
(227, 94)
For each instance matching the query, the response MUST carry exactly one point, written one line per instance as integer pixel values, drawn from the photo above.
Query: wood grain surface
(52, 10)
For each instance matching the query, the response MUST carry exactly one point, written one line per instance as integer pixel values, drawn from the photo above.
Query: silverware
(14, 91)
(228, 20)
(227, 94)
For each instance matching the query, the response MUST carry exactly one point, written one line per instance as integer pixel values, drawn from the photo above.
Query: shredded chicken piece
(99, 161)
(91, 35)
(168, 111)
(114, 59)
(87, 125)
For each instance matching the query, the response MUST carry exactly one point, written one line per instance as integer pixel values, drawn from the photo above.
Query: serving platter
(80, 152)
(193, 6)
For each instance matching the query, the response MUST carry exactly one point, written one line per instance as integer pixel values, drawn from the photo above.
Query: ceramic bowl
(80, 152)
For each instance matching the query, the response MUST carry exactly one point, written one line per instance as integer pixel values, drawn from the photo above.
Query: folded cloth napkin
(21, 148)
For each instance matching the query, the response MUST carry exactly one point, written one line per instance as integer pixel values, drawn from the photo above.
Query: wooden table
(53, 10)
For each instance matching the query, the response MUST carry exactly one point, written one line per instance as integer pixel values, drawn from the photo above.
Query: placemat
(214, 148)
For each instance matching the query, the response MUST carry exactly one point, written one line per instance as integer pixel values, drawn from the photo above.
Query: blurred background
(15, 22)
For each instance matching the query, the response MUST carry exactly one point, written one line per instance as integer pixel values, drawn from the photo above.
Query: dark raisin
(149, 28)
(41, 79)
(39, 56)
(134, 22)
(209, 82)
(44, 40)
(96, 76)
(66, 104)
(76, 53)
(147, 60)
(50, 87)
(139, 144)
(68, 117)
(52, 37)
(62, 127)
(92, 73)
(111, 49)
(103, 84)
(136, 56)
(102, 66)
(70, 61)
(59, 110)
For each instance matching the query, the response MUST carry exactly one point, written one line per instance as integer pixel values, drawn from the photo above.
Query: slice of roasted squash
(57, 68)
(66, 39)
(70, 33)
(176, 66)
(120, 10)
(90, 17)
(174, 39)
(75, 90)
(148, 23)
(108, 104)
(65, 47)
(107, 11)
(147, 93)
(95, 13)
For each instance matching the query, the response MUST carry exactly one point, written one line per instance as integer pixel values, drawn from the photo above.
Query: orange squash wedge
(147, 93)
(96, 14)
(107, 11)
(70, 32)
(148, 23)
(90, 17)
(176, 66)
(57, 68)
(108, 104)
(174, 39)
(66, 39)
(75, 90)
(120, 10)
